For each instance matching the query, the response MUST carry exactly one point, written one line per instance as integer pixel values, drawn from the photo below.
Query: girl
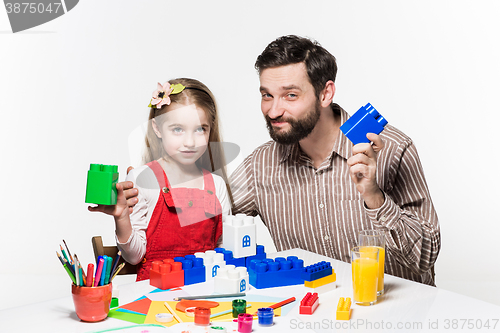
(181, 203)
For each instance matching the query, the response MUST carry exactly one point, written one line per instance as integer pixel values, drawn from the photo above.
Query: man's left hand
(363, 170)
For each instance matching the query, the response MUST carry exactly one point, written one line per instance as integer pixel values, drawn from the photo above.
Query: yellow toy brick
(322, 281)
(344, 309)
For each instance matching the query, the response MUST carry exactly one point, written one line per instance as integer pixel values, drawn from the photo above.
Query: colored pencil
(225, 312)
(67, 248)
(77, 274)
(69, 273)
(98, 272)
(90, 274)
(83, 282)
(173, 313)
(115, 264)
(71, 268)
(117, 271)
(210, 296)
(60, 258)
(64, 254)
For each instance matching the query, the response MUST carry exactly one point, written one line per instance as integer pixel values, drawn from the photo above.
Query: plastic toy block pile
(240, 263)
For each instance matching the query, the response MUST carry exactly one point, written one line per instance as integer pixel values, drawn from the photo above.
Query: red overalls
(165, 236)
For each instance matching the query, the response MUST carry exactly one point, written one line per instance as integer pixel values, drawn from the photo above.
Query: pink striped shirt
(320, 209)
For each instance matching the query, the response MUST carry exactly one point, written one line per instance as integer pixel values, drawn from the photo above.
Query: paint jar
(92, 303)
(202, 316)
(265, 316)
(239, 306)
(245, 321)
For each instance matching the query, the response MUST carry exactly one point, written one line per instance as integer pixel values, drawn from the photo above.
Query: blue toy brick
(229, 259)
(260, 255)
(317, 271)
(280, 272)
(194, 270)
(365, 120)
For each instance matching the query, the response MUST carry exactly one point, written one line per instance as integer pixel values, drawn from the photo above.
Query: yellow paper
(159, 307)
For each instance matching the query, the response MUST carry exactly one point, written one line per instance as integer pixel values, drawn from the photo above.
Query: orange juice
(364, 280)
(381, 263)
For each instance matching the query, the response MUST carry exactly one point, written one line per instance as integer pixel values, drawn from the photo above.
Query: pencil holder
(92, 303)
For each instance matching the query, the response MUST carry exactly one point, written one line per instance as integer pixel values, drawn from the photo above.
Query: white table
(406, 306)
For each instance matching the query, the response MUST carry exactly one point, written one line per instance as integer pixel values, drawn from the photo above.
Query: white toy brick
(231, 280)
(213, 261)
(239, 235)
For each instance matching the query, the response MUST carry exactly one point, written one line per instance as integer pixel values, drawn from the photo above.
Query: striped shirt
(320, 210)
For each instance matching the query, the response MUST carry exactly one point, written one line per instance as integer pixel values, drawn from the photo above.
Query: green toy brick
(101, 184)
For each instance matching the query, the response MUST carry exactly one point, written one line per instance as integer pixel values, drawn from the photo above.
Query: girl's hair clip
(161, 96)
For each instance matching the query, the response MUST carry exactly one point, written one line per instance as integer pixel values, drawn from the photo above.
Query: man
(313, 189)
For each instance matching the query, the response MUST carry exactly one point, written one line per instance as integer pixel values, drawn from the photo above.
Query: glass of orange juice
(375, 238)
(364, 262)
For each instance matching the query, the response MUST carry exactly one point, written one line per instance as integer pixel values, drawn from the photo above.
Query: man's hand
(363, 170)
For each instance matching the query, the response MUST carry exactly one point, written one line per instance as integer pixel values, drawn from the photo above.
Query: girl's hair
(198, 94)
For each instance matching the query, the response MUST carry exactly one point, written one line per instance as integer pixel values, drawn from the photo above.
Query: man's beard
(299, 128)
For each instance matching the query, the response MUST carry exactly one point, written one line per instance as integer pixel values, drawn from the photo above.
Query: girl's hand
(120, 210)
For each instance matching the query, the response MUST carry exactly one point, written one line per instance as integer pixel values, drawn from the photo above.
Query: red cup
(92, 303)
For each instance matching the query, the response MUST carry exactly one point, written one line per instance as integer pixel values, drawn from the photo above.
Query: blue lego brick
(365, 120)
(229, 259)
(194, 270)
(260, 255)
(269, 273)
(317, 271)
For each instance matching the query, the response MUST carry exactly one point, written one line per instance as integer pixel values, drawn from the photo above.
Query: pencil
(64, 254)
(84, 277)
(225, 312)
(117, 271)
(115, 264)
(280, 304)
(173, 313)
(71, 268)
(67, 248)
(210, 296)
(60, 258)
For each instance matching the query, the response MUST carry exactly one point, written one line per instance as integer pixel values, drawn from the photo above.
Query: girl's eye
(177, 130)
(200, 130)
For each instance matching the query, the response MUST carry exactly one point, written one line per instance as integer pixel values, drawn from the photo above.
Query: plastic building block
(101, 184)
(166, 275)
(194, 270)
(231, 280)
(344, 309)
(317, 271)
(229, 259)
(213, 261)
(280, 272)
(309, 304)
(365, 120)
(260, 255)
(239, 235)
(321, 282)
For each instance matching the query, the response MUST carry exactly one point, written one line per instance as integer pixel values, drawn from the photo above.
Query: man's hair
(320, 64)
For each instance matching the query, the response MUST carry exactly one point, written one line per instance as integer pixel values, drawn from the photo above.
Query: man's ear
(155, 128)
(326, 96)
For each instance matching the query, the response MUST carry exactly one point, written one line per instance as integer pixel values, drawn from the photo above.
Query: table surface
(406, 306)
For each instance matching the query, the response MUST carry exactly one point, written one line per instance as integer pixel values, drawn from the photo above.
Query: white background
(75, 91)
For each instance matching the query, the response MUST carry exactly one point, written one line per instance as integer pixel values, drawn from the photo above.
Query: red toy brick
(309, 304)
(166, 275)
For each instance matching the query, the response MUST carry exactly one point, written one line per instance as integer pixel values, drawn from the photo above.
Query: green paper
(131, 317)
(177, 88)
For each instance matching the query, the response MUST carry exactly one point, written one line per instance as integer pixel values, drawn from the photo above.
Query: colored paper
(141, 305)
(131, 317)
